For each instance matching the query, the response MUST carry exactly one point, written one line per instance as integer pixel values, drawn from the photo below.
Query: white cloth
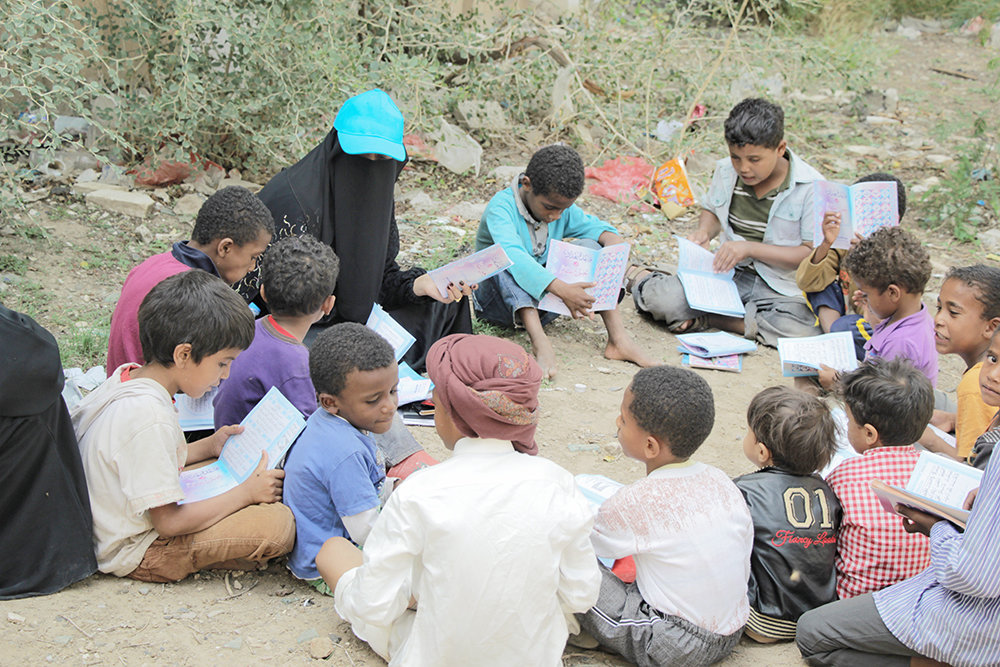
(494, 546)
(691, 534)
(133, 450)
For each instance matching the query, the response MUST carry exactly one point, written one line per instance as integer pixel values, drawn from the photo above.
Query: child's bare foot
(628, 351)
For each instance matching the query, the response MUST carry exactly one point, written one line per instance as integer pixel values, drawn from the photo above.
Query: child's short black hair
(193, 307)
(556, 168)
(232, 212)
(985, 281)
(796, 428)
(881, 176)
(344, 348)
(890, 256)
(755, 122)
(298, 273)
(675, 405)
(891, 395)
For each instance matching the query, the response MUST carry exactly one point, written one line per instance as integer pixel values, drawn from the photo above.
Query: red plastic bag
(621, 180)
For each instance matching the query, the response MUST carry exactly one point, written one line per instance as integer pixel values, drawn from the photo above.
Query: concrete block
(135, 204)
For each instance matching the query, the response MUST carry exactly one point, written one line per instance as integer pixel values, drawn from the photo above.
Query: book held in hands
(575, 264)
(472, 269)
(938, 485)
(801, 357)
(704, 289)
(863, 208)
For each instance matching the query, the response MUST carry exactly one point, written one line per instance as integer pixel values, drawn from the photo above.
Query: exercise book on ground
(473, 269)
(863, 208)
(575, 264)
(704, 289)
(803, 356)
(272, 425)
(730, 362)
(714, 344)
(938, 485)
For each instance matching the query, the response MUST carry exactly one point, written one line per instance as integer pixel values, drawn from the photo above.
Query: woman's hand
(424, 286)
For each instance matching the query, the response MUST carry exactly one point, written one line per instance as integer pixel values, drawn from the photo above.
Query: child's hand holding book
(263, 485)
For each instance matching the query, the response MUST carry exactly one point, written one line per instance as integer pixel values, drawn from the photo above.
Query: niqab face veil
(343, 200)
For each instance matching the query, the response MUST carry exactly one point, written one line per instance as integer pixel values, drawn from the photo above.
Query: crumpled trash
(456, 151)
(621, 180)
(417, 148)
(78, 382)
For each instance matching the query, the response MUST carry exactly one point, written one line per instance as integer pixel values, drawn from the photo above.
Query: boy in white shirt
(490, 548)
(687, 526)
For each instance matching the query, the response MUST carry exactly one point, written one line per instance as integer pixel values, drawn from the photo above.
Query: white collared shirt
(495, 547)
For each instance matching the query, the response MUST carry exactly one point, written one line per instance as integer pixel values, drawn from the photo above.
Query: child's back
(888, 404)
(500, 534)
(795, 513)
(299, 275)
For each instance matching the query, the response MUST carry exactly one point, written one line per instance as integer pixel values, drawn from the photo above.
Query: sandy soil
(248, 618)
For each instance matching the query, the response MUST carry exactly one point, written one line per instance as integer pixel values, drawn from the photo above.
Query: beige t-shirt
(133, 449)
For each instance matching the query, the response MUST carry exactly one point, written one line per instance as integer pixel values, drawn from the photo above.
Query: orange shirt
(973, 416)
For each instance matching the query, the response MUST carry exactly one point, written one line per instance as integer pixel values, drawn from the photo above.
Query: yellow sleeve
(974, 416)
(815, 277)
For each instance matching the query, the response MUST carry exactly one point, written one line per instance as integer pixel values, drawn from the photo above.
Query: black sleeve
(397, 285)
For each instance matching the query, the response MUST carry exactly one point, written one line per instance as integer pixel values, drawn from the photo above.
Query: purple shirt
(274, 359)
(911, 338)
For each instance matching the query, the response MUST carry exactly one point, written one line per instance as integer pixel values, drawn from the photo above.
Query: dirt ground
(76, 270)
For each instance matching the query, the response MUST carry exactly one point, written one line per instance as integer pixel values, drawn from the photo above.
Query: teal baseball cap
(371, 123)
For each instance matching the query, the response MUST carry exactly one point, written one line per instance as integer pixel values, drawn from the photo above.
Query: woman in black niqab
(46, 535)
(341, 192)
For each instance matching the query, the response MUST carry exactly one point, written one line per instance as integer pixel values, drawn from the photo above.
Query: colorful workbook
(802, 356)
(938, 485)
(730, 362)
(705, 289)
(472, 269)
(714, 344)
(272, 425)
(382, 323)
(863, 208)
(576, 264)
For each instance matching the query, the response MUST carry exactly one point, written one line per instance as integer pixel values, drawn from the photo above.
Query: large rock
(189, 205)
(135, 204)
(485, 115)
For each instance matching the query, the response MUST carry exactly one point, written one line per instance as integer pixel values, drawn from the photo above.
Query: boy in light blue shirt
(333, 475)
(539, 206)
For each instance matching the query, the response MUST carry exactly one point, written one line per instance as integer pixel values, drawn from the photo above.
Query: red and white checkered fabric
(873, 550)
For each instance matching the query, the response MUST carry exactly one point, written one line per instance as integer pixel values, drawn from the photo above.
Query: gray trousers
(769, 316)
(850, 633)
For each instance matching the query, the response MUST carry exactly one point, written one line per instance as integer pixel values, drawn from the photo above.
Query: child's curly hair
(890, 256)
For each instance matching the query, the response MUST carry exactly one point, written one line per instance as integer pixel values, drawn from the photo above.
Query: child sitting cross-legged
(888, 404)
(484, 558)
(687, 527)
(335, 475)
(298, 277)
(795, 513)
(192, 326)
(538, 207)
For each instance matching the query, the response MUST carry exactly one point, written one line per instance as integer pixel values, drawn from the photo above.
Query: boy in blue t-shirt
(333, 478)
(299, 274)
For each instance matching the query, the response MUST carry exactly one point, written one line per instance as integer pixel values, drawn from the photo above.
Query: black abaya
(46, 538)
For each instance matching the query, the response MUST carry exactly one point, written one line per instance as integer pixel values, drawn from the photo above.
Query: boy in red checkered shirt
(888, 403)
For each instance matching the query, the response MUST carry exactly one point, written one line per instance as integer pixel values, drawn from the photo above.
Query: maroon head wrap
(488, 386)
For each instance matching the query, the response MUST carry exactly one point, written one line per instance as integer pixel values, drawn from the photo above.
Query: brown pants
(243, 540)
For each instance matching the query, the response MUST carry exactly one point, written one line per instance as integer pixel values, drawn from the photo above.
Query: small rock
(995, 36)
(307, 635)
(506, 173)
(882, 120)
(908, 33)
(580, 387)
(62, 640)
(144, 590)
(604, 369)
(861, 150)
(939, 160)
(252, 187)
(990, 239)
(235, 644)
(15, 618)
(320, 648)
(144, 234)
(468, 210)
(485, 115)
(890, 101)
(419, 201)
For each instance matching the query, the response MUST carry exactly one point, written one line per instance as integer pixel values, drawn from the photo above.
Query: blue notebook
(714, 344)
